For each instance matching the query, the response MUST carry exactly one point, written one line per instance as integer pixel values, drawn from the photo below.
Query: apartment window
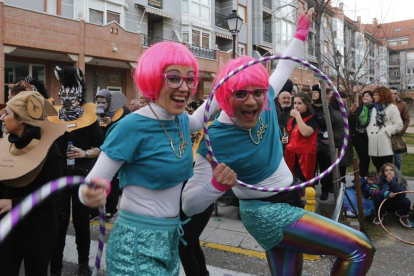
(397, 30)
(185, 7)
(242, 49)
(404, 42)
(242, 12)
(15, 71)
(392, 43)
(67, 9)
(200, 39)
(311, 44)
(196, 38)
(326, 70)
(200, 8)
(113, 16)
(410, 71)
(410, 55)
(96, 17)
(326, 47)
(325, 21)
(185, 37)
(396, 73)
(205, 42)
(285, 32)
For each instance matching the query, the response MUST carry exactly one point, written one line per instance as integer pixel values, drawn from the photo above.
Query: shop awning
(270, 51)
(224, 36)
(162, 13)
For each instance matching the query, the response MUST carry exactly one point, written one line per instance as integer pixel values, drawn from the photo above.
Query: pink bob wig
(153, 63)
(255, 75)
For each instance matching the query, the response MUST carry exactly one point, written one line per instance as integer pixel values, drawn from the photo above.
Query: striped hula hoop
(382, 225)
(324, 78)
(23, 208)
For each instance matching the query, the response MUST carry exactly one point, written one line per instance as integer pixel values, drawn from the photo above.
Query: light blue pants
(398, 160)
(144, 246)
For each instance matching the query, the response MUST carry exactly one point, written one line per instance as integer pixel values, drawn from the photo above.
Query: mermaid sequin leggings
(317, 235)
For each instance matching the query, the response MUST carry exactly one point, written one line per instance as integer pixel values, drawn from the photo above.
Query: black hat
(316, 87)
(288, 87)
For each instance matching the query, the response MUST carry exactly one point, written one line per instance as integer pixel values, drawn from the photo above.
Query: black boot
(84, 270)
(324, 195)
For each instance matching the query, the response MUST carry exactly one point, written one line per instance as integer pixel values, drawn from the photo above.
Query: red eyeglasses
(242, 94)
(175, 81)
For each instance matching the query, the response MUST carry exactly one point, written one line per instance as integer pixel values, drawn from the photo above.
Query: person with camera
(111, 109)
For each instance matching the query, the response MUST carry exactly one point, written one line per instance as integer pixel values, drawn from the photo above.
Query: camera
(100, 111)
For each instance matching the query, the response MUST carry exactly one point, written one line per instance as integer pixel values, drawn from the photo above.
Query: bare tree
(320, 7)
(360, 63)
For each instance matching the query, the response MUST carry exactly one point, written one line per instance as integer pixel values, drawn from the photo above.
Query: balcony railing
(267, 4)
(155, 3)
(221, 21)
(150, 40)
(394, 62)
(267, 36)
(203, 52)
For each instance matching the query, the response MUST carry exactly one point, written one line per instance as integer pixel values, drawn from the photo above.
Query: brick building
(36, 36)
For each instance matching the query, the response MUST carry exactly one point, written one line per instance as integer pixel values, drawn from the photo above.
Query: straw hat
(19, 167)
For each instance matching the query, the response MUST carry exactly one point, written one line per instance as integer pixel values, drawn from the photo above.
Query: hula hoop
(324, 78)
(29, 202)
(382, 225)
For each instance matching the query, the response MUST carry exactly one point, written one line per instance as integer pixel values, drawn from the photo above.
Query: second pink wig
(255, 75)
(153, 62)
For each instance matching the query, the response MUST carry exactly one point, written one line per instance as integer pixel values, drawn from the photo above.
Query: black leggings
(192, 256)
(378, 161)
(32, 241)
(398, 203)
(80, 215)
(360, 143)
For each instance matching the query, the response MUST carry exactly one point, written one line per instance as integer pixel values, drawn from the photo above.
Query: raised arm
(285, 67)
(197, 118)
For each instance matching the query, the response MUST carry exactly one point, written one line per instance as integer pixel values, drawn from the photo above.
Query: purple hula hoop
(23, 208)
(324, 78)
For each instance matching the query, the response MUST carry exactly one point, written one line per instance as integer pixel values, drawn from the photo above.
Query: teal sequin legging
(317, 235)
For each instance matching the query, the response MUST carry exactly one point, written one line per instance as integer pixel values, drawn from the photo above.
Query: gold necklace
(183, 144)
(259, 133)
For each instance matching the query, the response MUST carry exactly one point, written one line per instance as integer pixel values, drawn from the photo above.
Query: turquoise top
(149, 159)
(234, 147)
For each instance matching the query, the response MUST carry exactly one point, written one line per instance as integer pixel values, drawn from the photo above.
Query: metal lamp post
(234, 22)
(338, 60)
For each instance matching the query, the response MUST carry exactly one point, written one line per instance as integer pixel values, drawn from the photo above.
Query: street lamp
(338, 64)
(234, 21)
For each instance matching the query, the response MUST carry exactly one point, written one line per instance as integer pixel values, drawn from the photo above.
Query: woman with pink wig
(246, 138)
(151, 148)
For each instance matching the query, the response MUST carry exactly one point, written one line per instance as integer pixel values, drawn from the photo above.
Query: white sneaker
(376, 221)
(350, 214)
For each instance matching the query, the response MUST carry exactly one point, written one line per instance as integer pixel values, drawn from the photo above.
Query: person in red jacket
(302, 128)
